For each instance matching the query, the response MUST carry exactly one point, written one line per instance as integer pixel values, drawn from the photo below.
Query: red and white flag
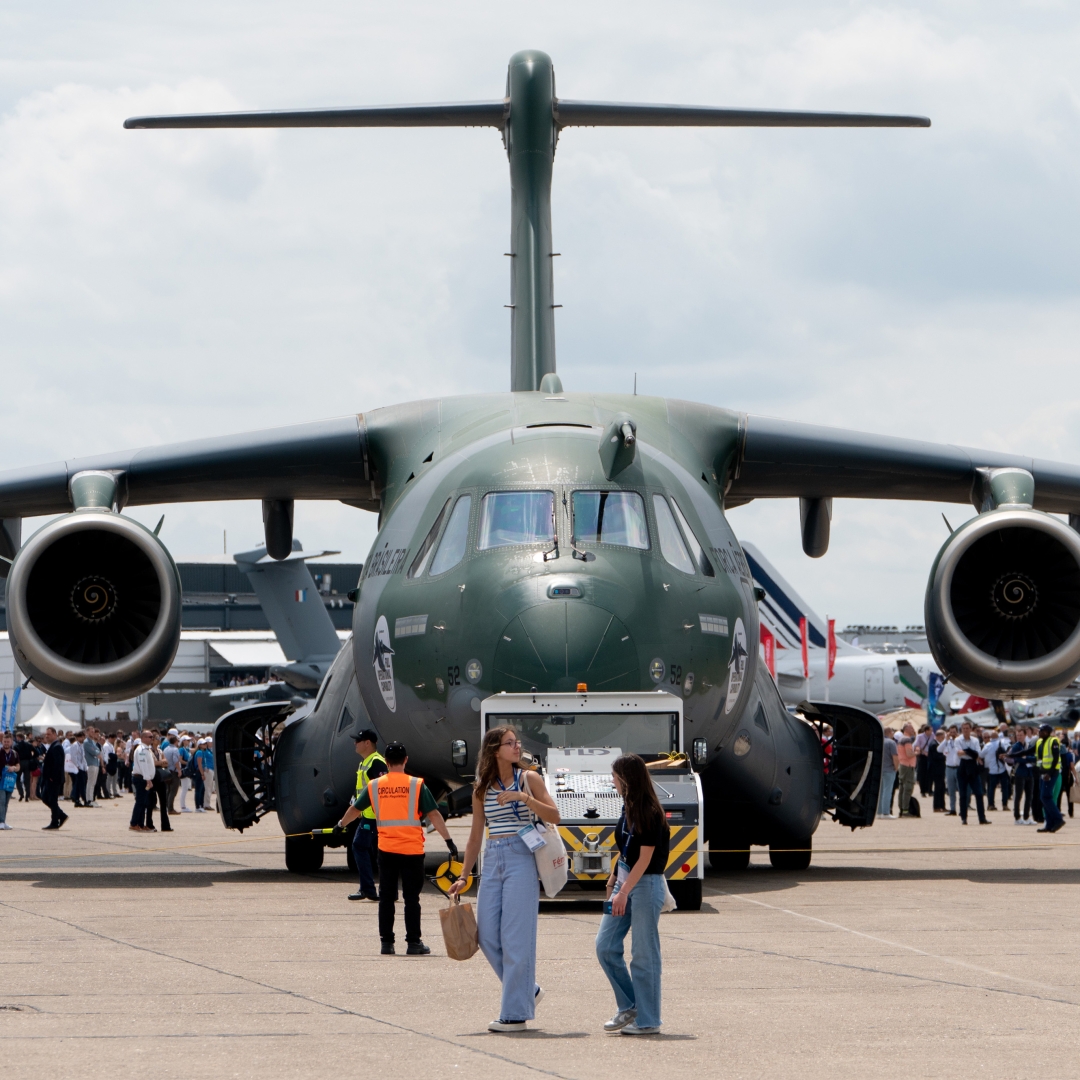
(768, 643)
(805, 648)
(831, 661)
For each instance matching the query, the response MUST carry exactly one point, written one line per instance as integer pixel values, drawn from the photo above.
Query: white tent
(50, 716)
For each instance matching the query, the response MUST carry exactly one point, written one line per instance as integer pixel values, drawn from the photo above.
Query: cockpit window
(671, 542)
(452, 546)
(516, 517)
(610, 517)
(700, 557)
(424, 553)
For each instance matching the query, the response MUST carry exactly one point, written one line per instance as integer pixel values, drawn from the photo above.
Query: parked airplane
(863, 679)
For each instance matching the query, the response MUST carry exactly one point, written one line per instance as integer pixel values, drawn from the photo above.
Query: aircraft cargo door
(874, 686)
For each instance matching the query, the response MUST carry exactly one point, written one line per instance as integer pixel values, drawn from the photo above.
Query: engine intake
(93, 607)
(1003, 605)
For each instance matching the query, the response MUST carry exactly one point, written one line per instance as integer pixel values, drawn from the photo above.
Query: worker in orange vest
(399, 802)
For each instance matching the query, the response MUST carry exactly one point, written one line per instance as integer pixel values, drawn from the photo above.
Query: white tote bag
(551, 860)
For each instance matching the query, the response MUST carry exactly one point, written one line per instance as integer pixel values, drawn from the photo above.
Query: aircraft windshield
(452, 546)
(671, 541)
(633, 733)
(516, 517)
(610, 517)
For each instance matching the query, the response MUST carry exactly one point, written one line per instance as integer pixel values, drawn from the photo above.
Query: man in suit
(51, 785)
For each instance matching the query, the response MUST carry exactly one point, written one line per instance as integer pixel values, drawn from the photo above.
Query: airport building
(226, 638)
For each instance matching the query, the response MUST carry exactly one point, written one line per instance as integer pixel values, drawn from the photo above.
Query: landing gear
(687, 893)
(728, 856)
(790, 854)
(303, 854)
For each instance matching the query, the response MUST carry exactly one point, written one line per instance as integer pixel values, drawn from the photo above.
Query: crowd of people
(84, 769)
(1030, 764)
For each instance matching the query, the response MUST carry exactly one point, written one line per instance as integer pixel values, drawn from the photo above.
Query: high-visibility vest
(1044, 753)
(362, 779)
(395, 798)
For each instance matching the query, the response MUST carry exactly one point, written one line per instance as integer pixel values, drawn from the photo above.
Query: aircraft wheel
(730, 857)
(687, 893)
(303, 854)
(791, 854)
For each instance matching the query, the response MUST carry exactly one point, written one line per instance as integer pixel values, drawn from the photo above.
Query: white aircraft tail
(783, 607)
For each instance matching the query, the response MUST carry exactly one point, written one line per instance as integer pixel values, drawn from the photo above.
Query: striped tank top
(509, 819)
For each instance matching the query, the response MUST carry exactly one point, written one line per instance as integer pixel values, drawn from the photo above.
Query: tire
(732, 859)
(687, 893)
(303, 854)
(791, 854)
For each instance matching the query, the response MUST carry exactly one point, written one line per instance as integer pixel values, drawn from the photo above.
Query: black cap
(395, 753)
(1045, 727)
(367, 735)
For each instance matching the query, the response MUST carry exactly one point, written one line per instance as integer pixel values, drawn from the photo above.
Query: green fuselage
(562, 609)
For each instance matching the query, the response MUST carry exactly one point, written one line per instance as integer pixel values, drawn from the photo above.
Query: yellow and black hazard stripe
(682, 853)
(587, 838)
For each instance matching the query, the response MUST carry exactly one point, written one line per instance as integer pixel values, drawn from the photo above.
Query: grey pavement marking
(295, 994)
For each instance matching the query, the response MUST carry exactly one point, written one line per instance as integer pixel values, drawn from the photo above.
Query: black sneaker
(388, 948)
(374, 897)
(356, 895)
(417, 948)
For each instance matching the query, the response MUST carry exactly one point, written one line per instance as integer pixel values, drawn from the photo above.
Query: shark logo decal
(382, 661)
(736, 665)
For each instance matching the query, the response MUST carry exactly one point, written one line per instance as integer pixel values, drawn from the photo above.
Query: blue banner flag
(14, 714)
(934, 714)
(3, 716)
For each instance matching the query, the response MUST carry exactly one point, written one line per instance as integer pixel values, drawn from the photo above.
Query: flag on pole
(3, 715)
(805, 648)
(831, 650)
(14, 714)
(768, 643)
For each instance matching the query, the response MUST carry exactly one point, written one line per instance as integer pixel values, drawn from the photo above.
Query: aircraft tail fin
(782, 607)
(296, 613)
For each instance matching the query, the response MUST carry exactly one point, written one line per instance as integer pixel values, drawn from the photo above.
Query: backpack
(191, 769)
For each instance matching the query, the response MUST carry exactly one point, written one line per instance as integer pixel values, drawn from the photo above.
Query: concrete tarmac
(917, 948)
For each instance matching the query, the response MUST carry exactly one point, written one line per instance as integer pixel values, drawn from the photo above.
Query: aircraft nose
(556, 645)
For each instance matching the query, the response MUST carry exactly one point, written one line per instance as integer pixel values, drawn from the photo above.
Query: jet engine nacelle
(93, 607)
(1003, 604)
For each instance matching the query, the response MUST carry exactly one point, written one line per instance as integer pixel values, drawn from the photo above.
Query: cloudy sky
(157, 286)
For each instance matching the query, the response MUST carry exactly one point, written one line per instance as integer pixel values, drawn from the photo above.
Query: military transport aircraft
(543, 539)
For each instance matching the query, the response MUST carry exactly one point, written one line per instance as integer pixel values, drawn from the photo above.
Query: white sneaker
(200, 810)
(186, 810)
(633, 1029)
(890, 817)
(508, 1025)
(620, 1020)
(538, 996)
(5, 825)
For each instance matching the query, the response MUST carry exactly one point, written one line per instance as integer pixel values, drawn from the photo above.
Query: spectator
(197, 777)
(51, 784)
(10, 768)
(968, 774)
(25, 751)
(922, 762)
(206, 768)
(170, 749)
(1068, 773)
(905, 749)
(993, 755)
(889, 761)
(935, 769)
(142, 782)
(77, 758)
(92, 756)
(1022, 757)
(35, 771)
(186, 781)
(111, 765)
(161, 783)
(952, 766)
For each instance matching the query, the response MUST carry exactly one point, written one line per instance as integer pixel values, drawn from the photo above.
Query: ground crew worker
(1048, 762)
(399, 802)
(365, 841)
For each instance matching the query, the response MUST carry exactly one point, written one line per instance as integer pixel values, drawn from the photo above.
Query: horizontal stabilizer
(616, 114)
(454, 114)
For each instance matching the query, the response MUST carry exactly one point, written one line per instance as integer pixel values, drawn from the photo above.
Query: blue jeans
(888, 779)
(4, 797)
(1047, 783)
(365, 845)
(506, 913)
(638, 988)
(951, 786)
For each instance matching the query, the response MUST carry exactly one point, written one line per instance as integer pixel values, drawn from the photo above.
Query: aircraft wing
(327, 459)
(786, 459)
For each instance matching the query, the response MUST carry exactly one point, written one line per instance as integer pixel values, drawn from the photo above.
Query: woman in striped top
(507, 799)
